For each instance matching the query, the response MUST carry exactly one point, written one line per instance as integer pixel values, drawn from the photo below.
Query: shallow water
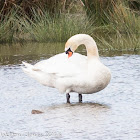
(112, 114)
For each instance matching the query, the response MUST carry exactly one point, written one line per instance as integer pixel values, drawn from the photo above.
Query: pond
(112, 114)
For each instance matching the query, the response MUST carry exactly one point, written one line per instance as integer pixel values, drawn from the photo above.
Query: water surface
(112, 114)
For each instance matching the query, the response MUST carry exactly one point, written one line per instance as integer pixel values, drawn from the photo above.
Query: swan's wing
(57, 68)
(63, 66)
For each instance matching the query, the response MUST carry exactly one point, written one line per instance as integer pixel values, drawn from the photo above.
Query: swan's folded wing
(57, 68)
(62, 66)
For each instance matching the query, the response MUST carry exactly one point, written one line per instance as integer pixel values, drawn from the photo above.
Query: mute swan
(72, 72)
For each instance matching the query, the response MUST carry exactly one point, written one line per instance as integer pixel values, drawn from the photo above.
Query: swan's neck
(92, 50)
(90, 44)
(83, 39)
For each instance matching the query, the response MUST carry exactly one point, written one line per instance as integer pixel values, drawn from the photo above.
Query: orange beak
(69, 54)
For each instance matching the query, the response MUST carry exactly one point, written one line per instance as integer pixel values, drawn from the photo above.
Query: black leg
(80, 98)
(68, 97)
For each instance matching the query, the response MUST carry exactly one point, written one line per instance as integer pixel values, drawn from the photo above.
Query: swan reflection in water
(75, 107)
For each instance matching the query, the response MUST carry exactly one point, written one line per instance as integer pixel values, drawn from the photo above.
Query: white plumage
(79, 73)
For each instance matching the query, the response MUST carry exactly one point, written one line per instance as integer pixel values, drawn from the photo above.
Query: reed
(122, 31)
(52, 6)
(7, 27)
(99, 10)
(113, 28)
(44, 28)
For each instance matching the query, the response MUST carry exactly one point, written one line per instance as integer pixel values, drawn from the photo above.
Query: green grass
(121, 31)
(7, 27)
(44, 28)
(118, 42)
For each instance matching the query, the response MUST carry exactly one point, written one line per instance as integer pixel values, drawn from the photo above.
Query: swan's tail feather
(30, 69)
(36, 73)
(27, 65)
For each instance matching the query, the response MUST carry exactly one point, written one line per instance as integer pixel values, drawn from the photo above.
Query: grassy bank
(58, 29)
(117, 28)
(122, 31)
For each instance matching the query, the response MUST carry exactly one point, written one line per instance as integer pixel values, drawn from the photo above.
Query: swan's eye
(69, 52)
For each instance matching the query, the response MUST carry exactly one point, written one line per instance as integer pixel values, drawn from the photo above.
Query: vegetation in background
(123, 30)
(114, 24)
(100, 10)
(44, 28)
(117, 26)
(7, 27)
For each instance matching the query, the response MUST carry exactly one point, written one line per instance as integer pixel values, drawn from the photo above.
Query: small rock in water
(36, 112)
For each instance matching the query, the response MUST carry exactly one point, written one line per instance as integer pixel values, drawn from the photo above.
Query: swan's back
(61, 64)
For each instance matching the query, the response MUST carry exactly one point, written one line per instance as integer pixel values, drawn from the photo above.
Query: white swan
(72, 72)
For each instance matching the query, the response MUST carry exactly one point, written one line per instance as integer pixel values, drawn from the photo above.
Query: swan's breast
(97, 78)
(100, 78)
